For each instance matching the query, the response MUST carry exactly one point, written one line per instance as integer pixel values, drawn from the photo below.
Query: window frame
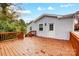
(45, 24)
(30, 28)
(40, 27)
(51, 27)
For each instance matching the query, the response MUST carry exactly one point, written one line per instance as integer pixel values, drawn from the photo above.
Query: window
(45, 24)
(40, 27)
(50, 27)
(30, 28)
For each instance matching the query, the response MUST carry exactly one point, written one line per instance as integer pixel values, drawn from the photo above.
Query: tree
(23, 25)
(8, 20)
(22, 22)
(4, 7)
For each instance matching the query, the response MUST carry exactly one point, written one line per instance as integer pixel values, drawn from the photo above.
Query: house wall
(46, 32)
(30, 25)
(63, 27)
(61, 30)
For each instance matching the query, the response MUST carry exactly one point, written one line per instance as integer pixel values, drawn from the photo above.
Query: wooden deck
(34, 46)
(13, 48)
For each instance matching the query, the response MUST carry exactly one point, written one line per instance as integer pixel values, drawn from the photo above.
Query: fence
(74, 39)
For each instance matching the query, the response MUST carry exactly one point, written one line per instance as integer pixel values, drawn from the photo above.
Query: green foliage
(5, 26)
(9, 24)
(23, 25)
(4, 7)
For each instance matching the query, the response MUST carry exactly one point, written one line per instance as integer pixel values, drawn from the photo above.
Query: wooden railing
(11, 35)
(7, 35)
(31, 33)
(74, 39)
(20, 35)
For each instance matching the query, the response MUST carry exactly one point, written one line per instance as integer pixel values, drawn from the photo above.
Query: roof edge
(55, 16)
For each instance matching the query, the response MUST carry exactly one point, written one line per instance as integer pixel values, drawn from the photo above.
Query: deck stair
(31, 33)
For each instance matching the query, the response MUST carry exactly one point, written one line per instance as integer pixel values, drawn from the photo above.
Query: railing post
(20, 35)
(75, 43)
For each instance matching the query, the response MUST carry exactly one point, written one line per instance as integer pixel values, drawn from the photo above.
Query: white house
(53, 26)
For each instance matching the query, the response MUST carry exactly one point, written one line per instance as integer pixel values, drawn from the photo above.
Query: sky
(31, 11)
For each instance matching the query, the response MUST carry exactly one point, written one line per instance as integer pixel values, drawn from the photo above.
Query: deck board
(3, 50)
(0, 50)
(34, 46)
(10, 50)
(6, 50)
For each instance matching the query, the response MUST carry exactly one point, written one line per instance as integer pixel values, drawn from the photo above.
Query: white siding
(30, 25)
(63, 27)
(61, 30)
(46, 32)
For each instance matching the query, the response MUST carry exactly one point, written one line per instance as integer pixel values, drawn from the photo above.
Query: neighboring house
(53, 26)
